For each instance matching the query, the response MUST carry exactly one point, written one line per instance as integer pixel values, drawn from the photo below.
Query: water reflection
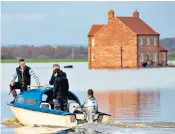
(133, 105)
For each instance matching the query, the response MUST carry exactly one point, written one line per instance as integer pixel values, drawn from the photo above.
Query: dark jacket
(63, 74)
(61, 87)
(25, 77)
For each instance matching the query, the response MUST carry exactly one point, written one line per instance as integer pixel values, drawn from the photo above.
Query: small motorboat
(35, 107)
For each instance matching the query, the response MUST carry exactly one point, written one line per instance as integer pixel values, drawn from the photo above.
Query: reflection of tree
(132, 104)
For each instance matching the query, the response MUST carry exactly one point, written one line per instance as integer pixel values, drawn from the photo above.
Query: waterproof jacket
(61, 87)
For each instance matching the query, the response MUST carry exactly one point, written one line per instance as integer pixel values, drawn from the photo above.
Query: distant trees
(43, 52)
(50, 52)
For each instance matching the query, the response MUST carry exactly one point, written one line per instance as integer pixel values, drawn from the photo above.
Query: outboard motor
(90, 109)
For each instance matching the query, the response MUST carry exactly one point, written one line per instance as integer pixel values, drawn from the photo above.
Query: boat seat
(45, 105)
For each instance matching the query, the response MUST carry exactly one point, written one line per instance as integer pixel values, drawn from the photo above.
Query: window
(31, 101)
(93, 56)
(148, 57)
(93, 42)
(141, 41)
(155, 41)
(154, 57)
(20, 100)
(141, 57)
(44, 97)
(148, 41)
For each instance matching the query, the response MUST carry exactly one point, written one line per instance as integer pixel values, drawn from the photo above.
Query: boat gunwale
(64, 114)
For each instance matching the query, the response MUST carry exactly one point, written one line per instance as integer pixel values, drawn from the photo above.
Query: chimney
(136, 14)
(110, 14)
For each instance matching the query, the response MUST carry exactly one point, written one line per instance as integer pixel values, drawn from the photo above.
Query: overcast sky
(70, 22)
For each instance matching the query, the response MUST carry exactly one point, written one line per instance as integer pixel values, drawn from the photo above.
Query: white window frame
(141, 41)
(93, 42)
(154, 41)
(141, 57)
(93, 56)
(154, 56)
(148, 41)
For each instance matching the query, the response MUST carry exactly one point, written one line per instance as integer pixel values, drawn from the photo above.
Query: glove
(53, 100)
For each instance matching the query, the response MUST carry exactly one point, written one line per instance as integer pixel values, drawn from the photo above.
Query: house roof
(95, 29)
(137, 25)
(162, 48)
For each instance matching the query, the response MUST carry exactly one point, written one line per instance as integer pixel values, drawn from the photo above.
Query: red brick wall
(148, 49)
(161, 58)
(89, 52)
(108, 42)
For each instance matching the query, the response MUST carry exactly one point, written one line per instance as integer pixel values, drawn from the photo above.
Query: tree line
(44, 52)
(50, 52)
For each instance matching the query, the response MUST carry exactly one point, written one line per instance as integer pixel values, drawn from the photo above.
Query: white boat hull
(29, 117)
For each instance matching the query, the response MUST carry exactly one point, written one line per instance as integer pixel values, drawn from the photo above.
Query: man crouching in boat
(24, 74)
(60, 91)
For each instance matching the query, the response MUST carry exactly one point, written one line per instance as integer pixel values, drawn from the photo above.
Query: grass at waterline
(171, 58)
(56, 60)
(43, 60)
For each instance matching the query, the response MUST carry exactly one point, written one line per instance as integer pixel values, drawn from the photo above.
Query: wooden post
(121, 57)
(72, 52)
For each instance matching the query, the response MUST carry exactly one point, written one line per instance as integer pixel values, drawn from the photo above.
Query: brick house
(124, 42)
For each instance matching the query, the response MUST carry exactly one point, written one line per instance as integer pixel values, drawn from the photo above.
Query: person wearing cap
(56, 66)
(24, 74)
(60, 91)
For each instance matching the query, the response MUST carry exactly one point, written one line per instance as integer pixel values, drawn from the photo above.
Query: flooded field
(139, 100)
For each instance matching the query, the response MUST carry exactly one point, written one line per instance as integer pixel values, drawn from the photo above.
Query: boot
(14, 95)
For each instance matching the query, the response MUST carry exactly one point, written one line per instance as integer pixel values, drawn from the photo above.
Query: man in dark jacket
(24, 74)
(60, 91)
(56, 66)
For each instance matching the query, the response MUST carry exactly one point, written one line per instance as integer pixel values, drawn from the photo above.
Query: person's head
(22, 63)
(90, 93)
(55, 66)
(56, 72)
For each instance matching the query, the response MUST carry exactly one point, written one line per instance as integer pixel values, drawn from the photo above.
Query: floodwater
(141, 101)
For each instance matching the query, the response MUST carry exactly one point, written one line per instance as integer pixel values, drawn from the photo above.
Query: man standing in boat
(60, 91)
(56, 66)
(24, 74)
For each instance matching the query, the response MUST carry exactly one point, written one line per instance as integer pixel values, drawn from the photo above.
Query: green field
(171, 58)
(54, 60)
(44, 60)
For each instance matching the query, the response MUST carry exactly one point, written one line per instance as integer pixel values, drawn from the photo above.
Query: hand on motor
(81, 106)
(12, 83)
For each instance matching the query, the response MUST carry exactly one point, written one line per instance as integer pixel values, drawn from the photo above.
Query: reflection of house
(124, 42)
(133, 104)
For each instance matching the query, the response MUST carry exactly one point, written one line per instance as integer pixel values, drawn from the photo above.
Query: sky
(69, 22)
